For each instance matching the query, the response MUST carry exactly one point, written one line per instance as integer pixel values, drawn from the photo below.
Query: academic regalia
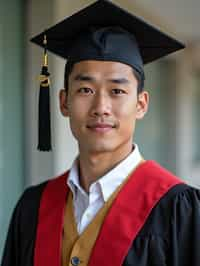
(166, 233)
(155, 218)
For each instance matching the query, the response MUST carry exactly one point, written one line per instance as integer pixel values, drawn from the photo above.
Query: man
(112, 207)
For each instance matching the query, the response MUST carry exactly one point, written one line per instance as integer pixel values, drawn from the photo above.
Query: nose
(101, 105)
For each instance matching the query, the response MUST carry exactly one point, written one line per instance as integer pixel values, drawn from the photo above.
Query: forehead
(102, 68)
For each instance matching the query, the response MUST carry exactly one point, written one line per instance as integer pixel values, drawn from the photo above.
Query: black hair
(69, 66)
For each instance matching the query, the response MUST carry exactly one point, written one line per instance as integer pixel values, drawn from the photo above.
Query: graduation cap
(102, 31)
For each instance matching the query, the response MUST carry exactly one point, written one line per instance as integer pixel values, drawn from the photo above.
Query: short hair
(69, 67)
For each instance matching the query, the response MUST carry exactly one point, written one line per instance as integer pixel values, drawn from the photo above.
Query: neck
(95, 165)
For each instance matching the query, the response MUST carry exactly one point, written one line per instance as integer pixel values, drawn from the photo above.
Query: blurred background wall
(169, 133)
(12, 178)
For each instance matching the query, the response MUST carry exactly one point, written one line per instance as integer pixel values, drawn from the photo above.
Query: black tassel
(44, 121)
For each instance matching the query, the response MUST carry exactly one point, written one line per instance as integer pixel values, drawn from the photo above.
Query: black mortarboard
(104, 31)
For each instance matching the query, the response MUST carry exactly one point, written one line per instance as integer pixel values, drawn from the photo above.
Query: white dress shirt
(86, 205)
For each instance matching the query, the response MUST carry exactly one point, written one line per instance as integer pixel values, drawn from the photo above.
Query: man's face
(102, 105)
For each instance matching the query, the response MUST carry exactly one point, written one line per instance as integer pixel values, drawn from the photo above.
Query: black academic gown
(170, 235)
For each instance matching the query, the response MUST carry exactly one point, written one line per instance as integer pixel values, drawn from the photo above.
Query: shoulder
(26, 209)
(183, 194)
(185, 198)
(179, 204)
(154, 169)
(178, 201)
(30, 199)
(33, 193)
(180, 193)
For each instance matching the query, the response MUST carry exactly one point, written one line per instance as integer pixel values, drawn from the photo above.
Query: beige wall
(188, 122)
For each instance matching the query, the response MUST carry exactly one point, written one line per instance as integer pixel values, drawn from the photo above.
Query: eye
(85, 90)
(118, 91)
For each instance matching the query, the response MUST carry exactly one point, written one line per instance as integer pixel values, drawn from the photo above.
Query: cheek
(127, 117)
(77, 116)
(126, 111)
(77, 108)
(75, 123)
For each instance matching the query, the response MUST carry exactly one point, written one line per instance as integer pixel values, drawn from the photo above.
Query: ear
(63, 103)
(142, 104)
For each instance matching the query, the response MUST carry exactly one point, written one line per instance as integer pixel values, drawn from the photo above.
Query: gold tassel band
(44, 81)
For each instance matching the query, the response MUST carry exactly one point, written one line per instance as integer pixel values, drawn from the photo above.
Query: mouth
(101, 127)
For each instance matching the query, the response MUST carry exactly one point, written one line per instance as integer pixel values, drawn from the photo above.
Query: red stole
(145, 187)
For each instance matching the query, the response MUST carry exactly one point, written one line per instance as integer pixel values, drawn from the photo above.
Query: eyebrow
(83, 77)
(119, 81)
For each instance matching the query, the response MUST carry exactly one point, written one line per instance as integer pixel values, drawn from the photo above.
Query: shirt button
(75, 261)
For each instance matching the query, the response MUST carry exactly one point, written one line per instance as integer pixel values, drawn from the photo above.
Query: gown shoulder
(171, 234)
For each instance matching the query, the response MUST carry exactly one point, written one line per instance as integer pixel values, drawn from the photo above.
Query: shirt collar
(111, 180)
(73, 179)
(114, 178)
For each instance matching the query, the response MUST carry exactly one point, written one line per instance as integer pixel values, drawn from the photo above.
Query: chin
(101, 147)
